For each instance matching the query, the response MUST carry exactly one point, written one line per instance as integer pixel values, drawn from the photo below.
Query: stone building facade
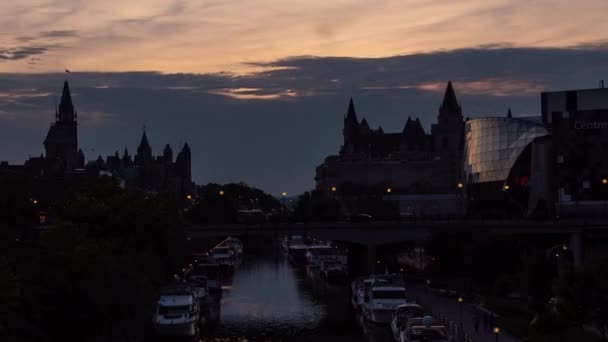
(408, 162)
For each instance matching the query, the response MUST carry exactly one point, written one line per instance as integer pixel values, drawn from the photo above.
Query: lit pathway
(449, 307)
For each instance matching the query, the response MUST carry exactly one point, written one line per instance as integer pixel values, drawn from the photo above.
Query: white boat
(177, 313)
(360, 285)
(224, 256)
(317, 254)
(424, 333)
(402, 314)
(211, 273)
(381, 300)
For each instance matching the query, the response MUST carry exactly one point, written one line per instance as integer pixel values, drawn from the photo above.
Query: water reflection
(269, 300)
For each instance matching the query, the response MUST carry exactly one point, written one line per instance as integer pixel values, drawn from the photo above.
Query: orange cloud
(494, 87)
(212, 36)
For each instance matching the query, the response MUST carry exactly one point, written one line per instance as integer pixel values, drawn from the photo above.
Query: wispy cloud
(255, 93)
(17, 53)
(493, 87)
(211, 36)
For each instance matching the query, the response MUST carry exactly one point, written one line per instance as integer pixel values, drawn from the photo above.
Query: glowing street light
(496, 331)
(460, 185)
(604, 181)
(389, 190)
(506, 187)
(189, 196)
(460, 300)
(333, 189)
(221, 192)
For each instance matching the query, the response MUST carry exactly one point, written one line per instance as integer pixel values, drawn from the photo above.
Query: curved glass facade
(492, 145)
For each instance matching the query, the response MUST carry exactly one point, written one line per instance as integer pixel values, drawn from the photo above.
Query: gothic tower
(351, 129)
(144, 151)
(448, 137)
(61, 143)
(183, 163)
(168, 155)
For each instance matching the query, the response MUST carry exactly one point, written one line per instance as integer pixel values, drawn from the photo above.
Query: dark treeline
(215, 203)
(318, 206)
(533, 284)
(93, 273)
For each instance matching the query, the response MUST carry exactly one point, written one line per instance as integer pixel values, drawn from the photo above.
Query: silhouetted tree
(316, 206)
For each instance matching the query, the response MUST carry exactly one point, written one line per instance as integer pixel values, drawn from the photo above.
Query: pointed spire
(450, 105)
(351, 114)
(380, 130)
(364, 124)
(125, 154)
(143, 143)
(407, 125)
(449, 98)
(186, 148)
(66, 107)
(168, 154)
(509, 114)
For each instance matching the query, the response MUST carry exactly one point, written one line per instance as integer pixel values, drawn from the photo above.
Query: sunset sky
(258, 87)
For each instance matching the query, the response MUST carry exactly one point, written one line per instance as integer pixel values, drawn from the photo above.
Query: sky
(258, 88)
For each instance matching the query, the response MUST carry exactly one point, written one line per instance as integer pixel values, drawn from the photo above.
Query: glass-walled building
(505, 166)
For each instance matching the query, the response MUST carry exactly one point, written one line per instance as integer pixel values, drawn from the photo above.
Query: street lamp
(284, 196)
(221, 192)
(496, 331)
(506, 187)
(189, 197)
(460, 300)
(388, 190)
(460, 186)
(333, 189)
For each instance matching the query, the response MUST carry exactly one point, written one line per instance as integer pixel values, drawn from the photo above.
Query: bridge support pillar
(576, 247)
(372, 259)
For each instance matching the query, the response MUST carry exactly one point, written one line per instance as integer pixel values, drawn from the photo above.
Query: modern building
(408, 162)
(552, 165)
(506, 165)
(578, 121)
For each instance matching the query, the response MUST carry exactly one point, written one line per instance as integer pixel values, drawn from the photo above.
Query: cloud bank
(271, 128)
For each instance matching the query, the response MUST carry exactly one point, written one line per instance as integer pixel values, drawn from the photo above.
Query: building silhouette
(146, 171)
(61, 143)
(64, 163)
(408, 162)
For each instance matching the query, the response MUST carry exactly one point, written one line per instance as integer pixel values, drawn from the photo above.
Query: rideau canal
(268, 299)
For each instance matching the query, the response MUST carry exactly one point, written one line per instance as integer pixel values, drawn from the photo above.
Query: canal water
(268, 299)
